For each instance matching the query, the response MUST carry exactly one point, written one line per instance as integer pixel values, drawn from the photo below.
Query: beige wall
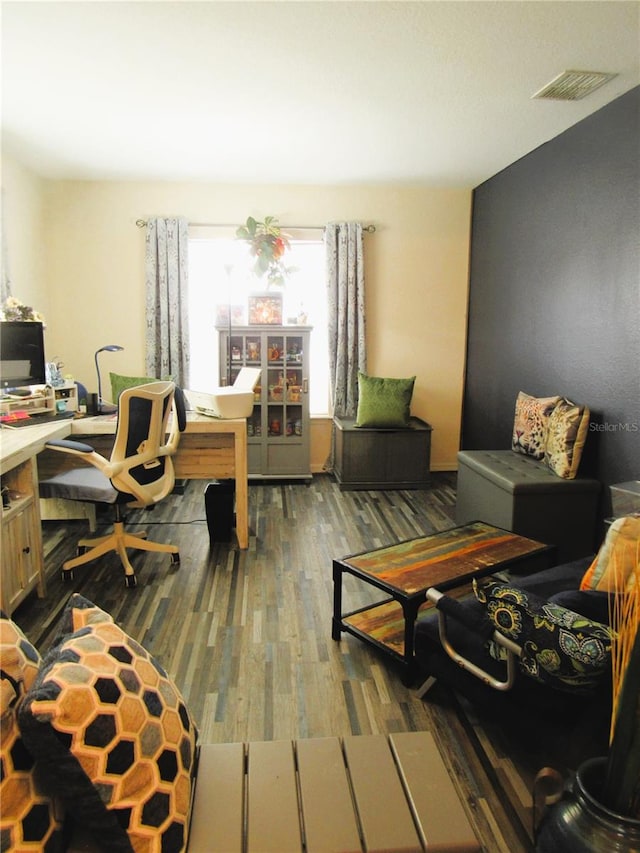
(416, 270)
(23, 225)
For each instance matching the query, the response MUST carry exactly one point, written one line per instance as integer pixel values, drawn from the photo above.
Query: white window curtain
(346, 321)
(167, 327)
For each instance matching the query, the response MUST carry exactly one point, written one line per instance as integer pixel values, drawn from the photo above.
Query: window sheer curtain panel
(346, 322)
(167, 327)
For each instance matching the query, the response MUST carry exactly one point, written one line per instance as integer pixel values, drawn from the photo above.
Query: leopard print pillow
(531, 424)
(566, 435)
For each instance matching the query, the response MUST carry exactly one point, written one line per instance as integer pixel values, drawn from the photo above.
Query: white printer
(233, 401)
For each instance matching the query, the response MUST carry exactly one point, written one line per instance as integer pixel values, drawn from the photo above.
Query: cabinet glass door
(278, 428)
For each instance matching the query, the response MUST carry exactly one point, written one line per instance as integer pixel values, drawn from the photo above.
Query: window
(219, 276)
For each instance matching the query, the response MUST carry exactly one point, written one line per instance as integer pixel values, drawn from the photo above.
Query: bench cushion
(516, 473)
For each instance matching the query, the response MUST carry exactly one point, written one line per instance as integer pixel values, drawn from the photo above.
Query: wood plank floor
(247, 634)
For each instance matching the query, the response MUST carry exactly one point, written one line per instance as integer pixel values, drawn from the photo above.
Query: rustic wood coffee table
(407, 570)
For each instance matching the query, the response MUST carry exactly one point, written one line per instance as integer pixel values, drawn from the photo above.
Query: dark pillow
(559, 647)
(112, 734)
(594, 605)
(29, 819)
(384, 403)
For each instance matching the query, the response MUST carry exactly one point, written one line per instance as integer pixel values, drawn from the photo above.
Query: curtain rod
(370, 229)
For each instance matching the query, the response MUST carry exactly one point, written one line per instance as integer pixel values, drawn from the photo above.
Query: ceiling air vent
(573, 85)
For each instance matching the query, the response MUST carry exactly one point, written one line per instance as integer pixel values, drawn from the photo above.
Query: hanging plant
(267, 244)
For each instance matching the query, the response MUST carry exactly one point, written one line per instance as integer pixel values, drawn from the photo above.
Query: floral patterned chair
(532, 652)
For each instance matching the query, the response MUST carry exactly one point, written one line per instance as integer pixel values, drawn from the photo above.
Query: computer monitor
(21, 354)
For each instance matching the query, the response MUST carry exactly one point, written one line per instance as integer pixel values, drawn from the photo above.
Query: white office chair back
(140, 463)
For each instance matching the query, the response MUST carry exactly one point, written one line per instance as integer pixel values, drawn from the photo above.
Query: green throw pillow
(384, 403)
(120, 383)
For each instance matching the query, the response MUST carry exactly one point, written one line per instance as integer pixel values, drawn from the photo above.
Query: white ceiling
(332, 92)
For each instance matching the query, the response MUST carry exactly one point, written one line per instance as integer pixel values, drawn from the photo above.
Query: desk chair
(138, 474)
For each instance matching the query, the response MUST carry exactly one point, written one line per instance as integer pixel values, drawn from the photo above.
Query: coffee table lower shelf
(382, 625)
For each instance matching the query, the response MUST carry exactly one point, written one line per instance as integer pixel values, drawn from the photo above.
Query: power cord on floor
(153, 523)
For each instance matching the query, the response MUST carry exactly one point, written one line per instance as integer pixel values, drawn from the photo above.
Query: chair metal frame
(513, 653)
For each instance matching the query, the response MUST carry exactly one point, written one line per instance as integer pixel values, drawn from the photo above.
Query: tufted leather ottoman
(520, 494)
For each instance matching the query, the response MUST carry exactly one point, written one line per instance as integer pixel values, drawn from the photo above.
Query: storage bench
(368, 458)
(365, 792)
(523, 495)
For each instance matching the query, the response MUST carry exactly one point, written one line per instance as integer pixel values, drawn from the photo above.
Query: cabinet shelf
(16, 506)
(42, 401)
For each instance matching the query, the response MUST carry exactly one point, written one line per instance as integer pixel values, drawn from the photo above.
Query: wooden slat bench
(358, 793)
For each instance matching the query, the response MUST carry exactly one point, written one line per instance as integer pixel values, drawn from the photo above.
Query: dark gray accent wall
(554, 301)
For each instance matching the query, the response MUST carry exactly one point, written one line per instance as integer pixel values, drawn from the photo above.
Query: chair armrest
(479, 623)
(448, 606)
(67, 445)
(83, 451)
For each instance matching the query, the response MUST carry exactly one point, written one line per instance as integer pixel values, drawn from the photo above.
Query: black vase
(579, 823)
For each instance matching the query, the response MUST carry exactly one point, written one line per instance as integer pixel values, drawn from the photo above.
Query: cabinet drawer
(291, 458)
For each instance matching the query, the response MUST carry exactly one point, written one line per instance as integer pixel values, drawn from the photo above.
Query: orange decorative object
(265, 309)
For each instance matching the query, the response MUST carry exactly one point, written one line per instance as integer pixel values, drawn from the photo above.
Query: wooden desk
(209, 449)
(22, 557)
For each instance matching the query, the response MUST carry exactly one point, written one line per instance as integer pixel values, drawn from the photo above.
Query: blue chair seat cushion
(79, 484)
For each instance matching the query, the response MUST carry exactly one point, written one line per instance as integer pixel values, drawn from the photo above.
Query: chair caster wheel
(175, 559)
(67, 575)
(130, 581)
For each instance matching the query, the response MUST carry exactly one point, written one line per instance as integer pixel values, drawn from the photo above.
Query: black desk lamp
(101, 408)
